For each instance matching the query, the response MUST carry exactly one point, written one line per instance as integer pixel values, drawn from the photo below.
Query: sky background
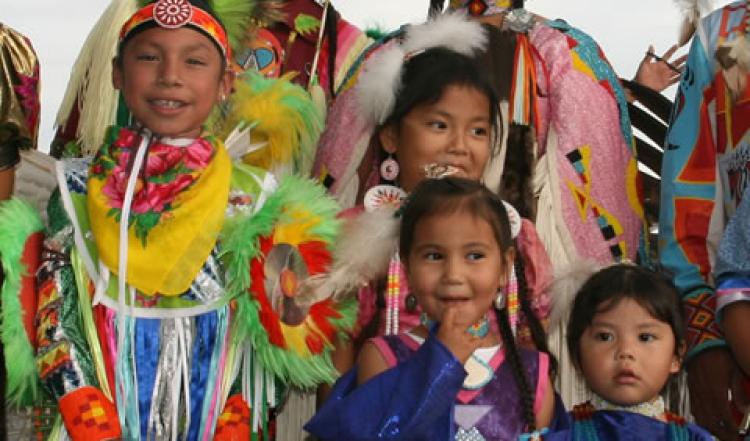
(624, 29)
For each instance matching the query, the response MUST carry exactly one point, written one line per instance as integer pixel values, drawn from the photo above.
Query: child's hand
(453, 333)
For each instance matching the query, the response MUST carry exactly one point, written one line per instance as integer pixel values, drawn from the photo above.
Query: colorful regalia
(423, 397)
(580, 185)
(706, 164)
(203, 331)
(587, 423)
(732, 273)
(19, 96)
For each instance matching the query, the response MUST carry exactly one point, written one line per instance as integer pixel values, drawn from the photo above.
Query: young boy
(151, 253)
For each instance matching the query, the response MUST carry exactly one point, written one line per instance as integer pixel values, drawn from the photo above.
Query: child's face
(455, 262)
(171, 79)
(627, 355)
(453, 131)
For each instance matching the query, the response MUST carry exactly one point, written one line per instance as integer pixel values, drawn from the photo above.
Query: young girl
(454, 376)
(420, 99)
(146, 326)
(626, 336)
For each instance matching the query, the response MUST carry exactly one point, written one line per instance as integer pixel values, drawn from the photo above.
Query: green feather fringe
(306, 24)
(18, 221)
(241, 244)
(235, 15)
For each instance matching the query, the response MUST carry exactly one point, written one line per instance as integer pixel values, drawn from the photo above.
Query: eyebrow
(193, 47)
(445, 114)
(643, 325)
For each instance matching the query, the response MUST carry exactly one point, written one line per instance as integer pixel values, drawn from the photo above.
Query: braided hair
(433, 196)
(538, 334)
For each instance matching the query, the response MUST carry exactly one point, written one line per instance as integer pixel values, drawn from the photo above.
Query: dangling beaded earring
(500, 299)
(385, 194)
(389, 169)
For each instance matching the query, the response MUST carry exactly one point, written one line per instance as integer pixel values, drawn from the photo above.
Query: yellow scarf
(180, 242)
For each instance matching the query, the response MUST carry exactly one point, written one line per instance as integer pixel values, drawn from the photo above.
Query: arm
(733, 283)
(410, 401)
(688, 195)
(688, 213)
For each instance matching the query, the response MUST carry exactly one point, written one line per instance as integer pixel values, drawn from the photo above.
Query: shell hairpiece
(440, 171)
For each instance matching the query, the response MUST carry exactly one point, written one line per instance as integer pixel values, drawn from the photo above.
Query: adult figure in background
(704, 176)
(19, 103)
(19, 120)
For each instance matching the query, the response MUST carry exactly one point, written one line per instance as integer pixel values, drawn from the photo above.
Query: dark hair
(202, 4)
(449, 195)
(607, 288)
(425, 77)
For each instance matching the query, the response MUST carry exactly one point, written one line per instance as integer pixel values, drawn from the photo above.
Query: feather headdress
(692, 10)
(380, 81)
(90, 86)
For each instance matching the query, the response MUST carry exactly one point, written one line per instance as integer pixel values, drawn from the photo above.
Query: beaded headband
(174, 14)
(480, 7)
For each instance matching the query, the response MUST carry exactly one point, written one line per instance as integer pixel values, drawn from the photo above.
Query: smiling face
(455, 260)
(455, 131)
(626, 355)
(171, 79)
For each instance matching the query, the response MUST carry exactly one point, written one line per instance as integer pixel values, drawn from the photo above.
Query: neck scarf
(177, 210)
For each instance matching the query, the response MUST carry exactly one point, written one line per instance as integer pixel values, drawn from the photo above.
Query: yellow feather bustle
(284, 119)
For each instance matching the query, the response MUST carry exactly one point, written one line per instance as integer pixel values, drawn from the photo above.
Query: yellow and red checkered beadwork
(173, 14)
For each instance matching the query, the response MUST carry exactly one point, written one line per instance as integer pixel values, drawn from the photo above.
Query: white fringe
(90, 83)
(555, 237)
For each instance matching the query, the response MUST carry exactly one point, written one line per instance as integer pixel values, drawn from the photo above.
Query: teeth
(168, 103)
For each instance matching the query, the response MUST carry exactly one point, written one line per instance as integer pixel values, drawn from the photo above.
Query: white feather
(740, 51)
(380, 80)
(565, 287)
(379, 83)
(692, 11)
(377, 233)
(453, 31)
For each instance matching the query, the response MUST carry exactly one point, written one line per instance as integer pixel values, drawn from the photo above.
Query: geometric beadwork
(89, 415)
(608, 225)
(700, 312)
(53, 359)
(234, 421)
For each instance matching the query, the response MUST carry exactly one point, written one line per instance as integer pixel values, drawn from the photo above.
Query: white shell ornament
(383, 195)
(514, 218)
(479, 373)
